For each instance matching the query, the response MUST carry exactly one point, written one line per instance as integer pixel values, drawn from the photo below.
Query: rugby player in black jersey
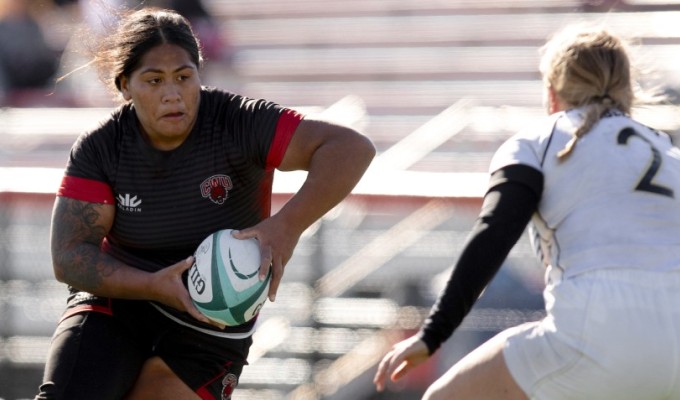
(174, 163)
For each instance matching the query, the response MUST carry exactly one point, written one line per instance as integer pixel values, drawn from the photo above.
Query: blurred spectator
(26, 59)
(603, 5)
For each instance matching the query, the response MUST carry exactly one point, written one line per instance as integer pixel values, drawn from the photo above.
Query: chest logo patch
(216, 188)
(129, 203)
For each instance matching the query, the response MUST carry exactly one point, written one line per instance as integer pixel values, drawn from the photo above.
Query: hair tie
(602, 98)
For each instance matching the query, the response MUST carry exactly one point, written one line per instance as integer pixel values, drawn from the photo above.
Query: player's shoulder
(536, 133)
(213, 98)
(216, 99)
(526, 146)
(117, 121)
(613, 122)
(211, 93)
(539, 129)
(110, 130)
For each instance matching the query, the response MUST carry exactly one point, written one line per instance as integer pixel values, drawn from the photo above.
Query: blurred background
(438, 85)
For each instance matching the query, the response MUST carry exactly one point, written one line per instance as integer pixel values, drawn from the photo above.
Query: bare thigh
(482, 374)
(157, 381)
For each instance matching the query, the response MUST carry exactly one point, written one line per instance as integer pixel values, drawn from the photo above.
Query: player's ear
(124, 88)
(553, 101)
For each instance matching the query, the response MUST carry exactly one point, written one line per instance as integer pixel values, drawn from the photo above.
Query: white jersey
(613, 203)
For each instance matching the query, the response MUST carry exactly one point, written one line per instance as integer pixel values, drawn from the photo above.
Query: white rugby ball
(223, 282)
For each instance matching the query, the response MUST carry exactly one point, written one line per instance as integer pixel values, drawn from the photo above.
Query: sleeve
(88, 168)
(86, 190)
(528, 146)
(512, 198)
(285, 128)
(262, 129)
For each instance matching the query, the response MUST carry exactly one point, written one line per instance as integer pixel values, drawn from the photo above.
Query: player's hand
(403, 357)
(277, 242)
(168, 288)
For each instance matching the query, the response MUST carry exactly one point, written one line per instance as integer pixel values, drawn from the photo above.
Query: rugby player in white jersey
(600, 192)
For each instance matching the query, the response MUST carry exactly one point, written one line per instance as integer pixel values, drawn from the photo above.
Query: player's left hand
(277, 242)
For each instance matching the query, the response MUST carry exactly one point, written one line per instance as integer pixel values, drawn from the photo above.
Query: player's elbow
(367, 147)
(63, 262)
(59, 269)
(362, 149)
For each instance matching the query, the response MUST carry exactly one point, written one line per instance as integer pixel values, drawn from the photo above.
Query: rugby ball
(223, 281)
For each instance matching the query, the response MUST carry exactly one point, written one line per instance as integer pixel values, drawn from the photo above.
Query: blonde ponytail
(594, 112)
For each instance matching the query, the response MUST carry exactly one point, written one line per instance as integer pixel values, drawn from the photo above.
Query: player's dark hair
(119, 54)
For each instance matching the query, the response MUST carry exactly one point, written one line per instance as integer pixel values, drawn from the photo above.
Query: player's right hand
(168, 288)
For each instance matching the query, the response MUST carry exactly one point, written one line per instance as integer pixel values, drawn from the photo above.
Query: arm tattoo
(77, 233)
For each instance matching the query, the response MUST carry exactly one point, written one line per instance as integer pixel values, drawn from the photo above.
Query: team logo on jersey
(216, 188)
(228, 385)
(128, 202)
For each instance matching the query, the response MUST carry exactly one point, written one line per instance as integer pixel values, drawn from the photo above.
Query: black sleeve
(513, 196)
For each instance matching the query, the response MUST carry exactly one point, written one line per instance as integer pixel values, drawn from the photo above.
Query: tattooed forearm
(77, 231)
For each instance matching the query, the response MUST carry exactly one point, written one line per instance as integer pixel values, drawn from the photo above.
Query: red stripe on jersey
(86, 190)
(285, 128)
(87, 308)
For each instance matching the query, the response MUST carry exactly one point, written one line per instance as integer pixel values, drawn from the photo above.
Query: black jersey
(167, 202)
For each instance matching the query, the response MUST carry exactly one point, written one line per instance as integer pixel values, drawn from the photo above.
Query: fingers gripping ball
(223, 282)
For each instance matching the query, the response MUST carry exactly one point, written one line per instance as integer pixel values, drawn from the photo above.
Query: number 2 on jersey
(645, 184)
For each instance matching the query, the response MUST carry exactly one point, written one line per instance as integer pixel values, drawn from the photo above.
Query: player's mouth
(173, 116)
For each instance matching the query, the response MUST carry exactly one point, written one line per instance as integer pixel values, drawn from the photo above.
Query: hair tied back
(601, 99)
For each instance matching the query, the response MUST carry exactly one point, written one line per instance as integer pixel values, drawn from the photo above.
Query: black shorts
(100, 345)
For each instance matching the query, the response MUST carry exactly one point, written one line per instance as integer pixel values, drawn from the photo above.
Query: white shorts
(611, 334)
